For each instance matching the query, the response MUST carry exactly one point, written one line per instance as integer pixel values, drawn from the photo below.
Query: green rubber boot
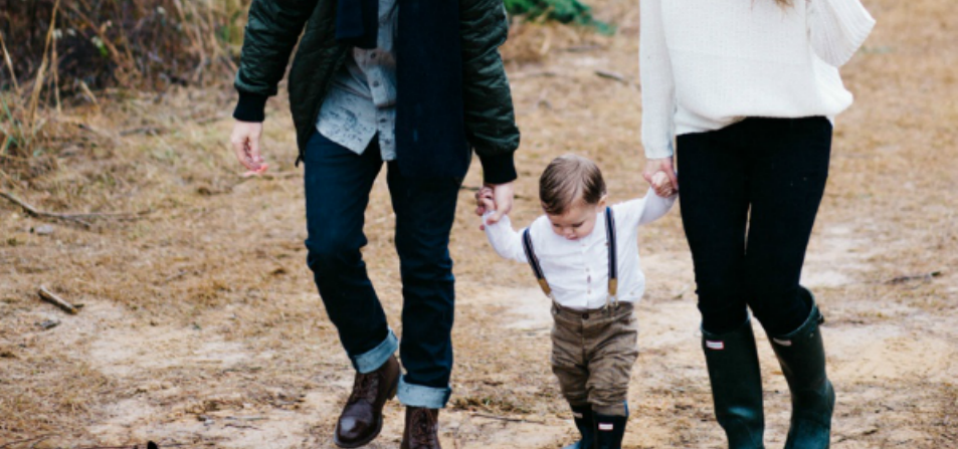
(736, 380)
(802, 356)
(585, 422)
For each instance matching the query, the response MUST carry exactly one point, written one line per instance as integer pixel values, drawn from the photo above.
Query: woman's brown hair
(567, 179)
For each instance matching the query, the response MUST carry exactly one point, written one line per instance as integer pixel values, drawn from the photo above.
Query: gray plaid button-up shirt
(362, 99)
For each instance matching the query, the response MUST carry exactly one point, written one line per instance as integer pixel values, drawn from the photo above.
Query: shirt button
(375, 83)
(372, 55)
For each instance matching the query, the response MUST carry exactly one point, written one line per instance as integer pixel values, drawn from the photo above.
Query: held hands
(662, 184)
(660, 174)
(245, 142)
(494, 198)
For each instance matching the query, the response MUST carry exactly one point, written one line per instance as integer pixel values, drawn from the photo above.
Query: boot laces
(365, 386)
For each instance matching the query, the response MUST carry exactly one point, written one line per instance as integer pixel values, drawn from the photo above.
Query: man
(413, 84)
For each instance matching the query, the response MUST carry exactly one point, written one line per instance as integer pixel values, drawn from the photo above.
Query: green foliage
(563, 11)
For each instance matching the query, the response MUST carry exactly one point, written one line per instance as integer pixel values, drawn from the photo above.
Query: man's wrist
(250, 107)
(498, 169)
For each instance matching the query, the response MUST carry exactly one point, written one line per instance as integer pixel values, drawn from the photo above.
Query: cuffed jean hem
(412, 395)
(371, 360)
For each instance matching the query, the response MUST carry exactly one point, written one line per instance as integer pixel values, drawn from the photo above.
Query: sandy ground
(201, 325)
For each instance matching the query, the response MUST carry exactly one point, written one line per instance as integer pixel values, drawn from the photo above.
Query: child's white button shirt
(578, 270)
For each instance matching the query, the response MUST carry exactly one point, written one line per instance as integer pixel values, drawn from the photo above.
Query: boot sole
(379, 424)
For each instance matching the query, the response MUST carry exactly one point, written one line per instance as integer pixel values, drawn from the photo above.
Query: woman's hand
(653, 166)
(245, 142)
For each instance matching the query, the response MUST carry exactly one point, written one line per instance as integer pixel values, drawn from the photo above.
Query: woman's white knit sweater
(705, 64)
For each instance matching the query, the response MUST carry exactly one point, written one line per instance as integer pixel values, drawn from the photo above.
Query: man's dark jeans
(338, 182)
(749, 196)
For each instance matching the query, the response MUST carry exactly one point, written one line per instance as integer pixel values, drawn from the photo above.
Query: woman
(748, 90)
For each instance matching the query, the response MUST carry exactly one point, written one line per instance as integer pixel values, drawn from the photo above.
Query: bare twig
(613, 76)
(30, 210)
(52, 298)
(504, 418)
(27, 440)
(914, 277)
(76, 218)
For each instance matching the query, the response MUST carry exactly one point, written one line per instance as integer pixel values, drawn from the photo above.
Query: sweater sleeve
(837, 28)
(505, 240)
(658, 85)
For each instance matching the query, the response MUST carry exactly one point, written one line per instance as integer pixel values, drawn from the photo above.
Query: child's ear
(603, 201)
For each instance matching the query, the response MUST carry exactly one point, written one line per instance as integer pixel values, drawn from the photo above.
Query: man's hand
(653, 166)
(245, 141)
(502, 195)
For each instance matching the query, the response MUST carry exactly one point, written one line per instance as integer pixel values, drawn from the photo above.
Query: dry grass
(205, 306)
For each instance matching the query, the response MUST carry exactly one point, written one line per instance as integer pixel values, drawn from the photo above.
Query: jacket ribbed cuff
(250, 107)
(498, 169)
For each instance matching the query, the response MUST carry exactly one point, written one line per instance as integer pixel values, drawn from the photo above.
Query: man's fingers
(239, 147)
(255, 158)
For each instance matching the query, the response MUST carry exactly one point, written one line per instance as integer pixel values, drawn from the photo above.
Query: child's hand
(662, 184)
(485, 202)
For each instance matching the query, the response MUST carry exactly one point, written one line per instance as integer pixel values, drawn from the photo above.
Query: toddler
(585, 257)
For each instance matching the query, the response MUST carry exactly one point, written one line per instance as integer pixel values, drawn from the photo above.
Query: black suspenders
(613, 262)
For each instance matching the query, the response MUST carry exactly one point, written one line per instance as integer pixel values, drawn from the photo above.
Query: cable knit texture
(707, 64)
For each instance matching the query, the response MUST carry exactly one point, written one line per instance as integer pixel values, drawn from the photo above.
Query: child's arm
(655, 206)
(642, 210)
(505, 240)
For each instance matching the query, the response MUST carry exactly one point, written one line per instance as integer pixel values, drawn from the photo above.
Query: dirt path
(201, 325)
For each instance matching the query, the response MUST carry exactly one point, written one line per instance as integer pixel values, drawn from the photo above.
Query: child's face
(578, 221)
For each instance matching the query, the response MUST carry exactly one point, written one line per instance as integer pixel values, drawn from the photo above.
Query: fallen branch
(613, 76)
(32, 211)
(914, 277)
(27, 440)
(52, 298)
(76, 218)
(503, 418)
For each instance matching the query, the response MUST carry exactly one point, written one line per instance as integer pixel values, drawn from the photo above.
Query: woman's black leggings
(749, 196)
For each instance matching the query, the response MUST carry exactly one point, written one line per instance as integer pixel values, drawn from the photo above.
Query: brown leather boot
(362, 417)
(422, 429)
